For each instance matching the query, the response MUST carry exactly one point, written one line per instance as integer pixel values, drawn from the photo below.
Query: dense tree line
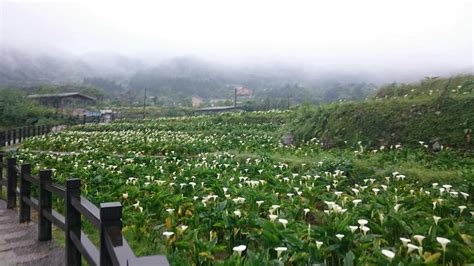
(17, 110)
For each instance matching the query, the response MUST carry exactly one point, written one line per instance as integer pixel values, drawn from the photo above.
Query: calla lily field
(223, 190)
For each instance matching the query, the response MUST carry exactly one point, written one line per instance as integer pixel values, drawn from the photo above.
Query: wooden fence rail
(107, 219)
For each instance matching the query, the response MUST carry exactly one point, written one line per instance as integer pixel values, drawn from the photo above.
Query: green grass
(389, 122)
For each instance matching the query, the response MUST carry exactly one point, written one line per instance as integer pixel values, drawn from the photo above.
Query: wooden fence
(107, 219)
(17, 135)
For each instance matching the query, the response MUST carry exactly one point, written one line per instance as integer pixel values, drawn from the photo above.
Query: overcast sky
(403, 34)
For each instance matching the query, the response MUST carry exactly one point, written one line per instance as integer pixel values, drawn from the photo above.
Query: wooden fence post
(2, 139)
(14, 136)
(11, 183)
(44, 202)
(110, 220)
(25, 192)
(73, 222)
(9, 137)
(24, 133)
(20, 135)
(1, 171)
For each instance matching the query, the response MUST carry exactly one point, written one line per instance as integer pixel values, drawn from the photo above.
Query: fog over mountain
(211, 43)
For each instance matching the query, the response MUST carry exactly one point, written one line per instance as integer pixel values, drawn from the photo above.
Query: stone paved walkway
(19, 245)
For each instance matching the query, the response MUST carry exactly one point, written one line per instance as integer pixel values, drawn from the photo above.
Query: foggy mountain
(185, 75)
(177, 78)
(21, 68)
(18, 68)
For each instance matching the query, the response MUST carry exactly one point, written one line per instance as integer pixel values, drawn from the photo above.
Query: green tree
(17, 110)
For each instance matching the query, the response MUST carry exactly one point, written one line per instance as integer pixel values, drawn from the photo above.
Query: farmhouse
(197, 101)
(61, 100)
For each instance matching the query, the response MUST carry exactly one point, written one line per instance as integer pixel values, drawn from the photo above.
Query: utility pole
(144, 104)
(235, 97)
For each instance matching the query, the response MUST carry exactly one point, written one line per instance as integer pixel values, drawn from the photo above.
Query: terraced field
(224, 190)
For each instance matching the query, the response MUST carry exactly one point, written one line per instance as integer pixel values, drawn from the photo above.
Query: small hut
(196, 101)
(60, 100)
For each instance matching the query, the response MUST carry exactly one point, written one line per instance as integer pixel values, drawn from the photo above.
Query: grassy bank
(446, 117)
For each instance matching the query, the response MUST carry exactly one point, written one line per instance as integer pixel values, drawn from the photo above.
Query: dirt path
(19, 244)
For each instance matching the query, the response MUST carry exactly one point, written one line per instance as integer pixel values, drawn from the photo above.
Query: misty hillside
(23, 69)
(20, 68)
(175, 79)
